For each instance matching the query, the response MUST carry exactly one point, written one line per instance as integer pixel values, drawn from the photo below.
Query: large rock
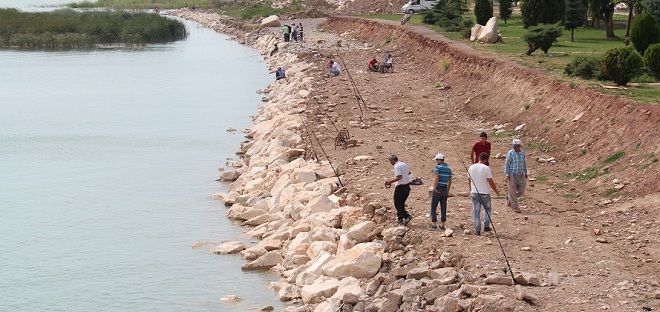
(318, 204)
(315, 248)
(528, 279)
(271, 21)
(288, 292)
(228, 248)
(490, 33)
(475, 32)
(265, 262)
(497, 279)
(348, 286)
(231, 175)
(321, 289)
(448, 304)
(361, 261)
(360, 232)
(444, 276)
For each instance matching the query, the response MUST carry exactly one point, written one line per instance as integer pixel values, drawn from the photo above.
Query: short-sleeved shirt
(335, 66)
(479, 148)
(444, 172)
(515, 163)
(286, 29)
(479, 174)
(401, 169)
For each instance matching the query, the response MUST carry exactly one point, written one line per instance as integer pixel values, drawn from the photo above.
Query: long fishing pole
(506, 259)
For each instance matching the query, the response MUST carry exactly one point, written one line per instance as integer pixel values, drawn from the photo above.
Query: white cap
(516, 142)
(439, 157)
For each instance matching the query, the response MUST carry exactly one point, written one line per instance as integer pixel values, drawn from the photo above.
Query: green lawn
(588, 42)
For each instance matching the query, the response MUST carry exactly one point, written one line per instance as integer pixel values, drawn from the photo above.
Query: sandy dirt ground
(606, 252)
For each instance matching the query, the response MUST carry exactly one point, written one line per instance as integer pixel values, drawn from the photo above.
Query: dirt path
(407, 115)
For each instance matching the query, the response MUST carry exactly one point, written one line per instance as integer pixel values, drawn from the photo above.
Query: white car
(417, 5)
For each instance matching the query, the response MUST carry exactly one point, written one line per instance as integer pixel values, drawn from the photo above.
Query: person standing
(481, 182)
(301, 32)
(401, 183)
(515, 170)
(286, 31)
(294, 33)
(441, 186)
(481, 146)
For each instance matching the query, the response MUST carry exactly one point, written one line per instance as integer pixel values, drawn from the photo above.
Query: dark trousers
(286, 37)
(401, 193)
(441, 198)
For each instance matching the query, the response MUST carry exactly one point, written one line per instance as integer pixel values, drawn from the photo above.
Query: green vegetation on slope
(143, 4)
(68, 29)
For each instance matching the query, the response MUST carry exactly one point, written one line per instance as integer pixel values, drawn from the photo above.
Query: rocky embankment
(332, 256)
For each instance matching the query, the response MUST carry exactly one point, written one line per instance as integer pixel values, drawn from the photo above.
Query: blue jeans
(479, 200)
(334, 72)
(441, 198)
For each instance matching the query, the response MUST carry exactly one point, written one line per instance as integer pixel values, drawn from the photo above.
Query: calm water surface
(107, 161)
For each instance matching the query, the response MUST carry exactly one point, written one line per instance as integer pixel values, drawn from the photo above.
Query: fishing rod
(506, 259)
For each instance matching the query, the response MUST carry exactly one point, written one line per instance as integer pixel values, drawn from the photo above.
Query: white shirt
(401, 169)
(480, 174)
(335, 66)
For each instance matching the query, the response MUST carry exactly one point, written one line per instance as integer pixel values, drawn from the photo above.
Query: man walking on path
(286, 32)
(301, 32)
(481, 182)
(481, 146)
(515, 170)
(401, 188)
(441, 186)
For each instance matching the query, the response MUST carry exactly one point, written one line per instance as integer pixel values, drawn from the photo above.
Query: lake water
(108, 161)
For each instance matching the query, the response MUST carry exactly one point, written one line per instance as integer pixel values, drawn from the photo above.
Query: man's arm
(398, 178)
(448, 186)
(493, 186)
(436, 179)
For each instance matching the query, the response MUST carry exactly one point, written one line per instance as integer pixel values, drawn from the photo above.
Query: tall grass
(143, 4)
(68, 29)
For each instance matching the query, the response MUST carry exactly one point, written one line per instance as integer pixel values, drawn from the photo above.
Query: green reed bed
(68, 29)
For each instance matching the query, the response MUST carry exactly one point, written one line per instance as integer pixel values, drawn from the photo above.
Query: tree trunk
(609, 22)
(631, 4)
(572, 34)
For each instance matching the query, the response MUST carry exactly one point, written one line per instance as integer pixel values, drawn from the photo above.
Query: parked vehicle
(418, 5)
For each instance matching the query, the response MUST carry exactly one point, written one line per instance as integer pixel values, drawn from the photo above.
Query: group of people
(481, 183)
(293, 32)
(387, 65)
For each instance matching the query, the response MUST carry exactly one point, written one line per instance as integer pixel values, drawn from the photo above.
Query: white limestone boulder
(321, 288)
(228, 248)
(360, 232)
(361, 261)
(490, 33)
(265, 262)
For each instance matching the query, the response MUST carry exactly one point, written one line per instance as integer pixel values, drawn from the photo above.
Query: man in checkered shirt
(515, 170)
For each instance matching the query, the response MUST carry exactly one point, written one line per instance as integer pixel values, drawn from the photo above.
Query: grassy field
(588, 42)
(142, 4)
(68, 29)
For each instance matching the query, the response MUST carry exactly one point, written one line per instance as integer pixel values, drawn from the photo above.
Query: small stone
(230, 299)
(553, 279)
(448, 233)
(526, 248)
(498, 280)
(602, 240)
(523, 295)
(568, 241)
(597, 232)
(267, 309)
(657, 295)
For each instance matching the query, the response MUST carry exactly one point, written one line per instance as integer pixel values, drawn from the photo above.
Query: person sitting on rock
(334, 68)
(389, 62)
(373, 65)
(279, 73)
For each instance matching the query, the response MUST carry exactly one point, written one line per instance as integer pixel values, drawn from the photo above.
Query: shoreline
(333, 247)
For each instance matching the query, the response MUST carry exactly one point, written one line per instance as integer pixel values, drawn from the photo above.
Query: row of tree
(578, 13)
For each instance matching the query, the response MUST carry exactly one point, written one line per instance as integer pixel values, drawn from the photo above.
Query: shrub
(542, 37)
(483, 10)
(448, 15)
(621, 64)
(652, 59)
(505, 9)
(644, 32)
(583, 67)
(536, 12)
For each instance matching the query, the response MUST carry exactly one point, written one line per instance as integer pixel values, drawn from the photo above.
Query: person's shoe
(433, 227)
(517, 210)
(508, 202)
(400, 221)
(407, 220)
(441, 226)
(487, 229)
(478, 233)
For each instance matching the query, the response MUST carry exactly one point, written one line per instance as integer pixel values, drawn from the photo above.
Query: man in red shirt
(482, 146)
(373, 65)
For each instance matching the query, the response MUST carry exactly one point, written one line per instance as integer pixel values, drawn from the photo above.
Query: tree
(652, 7)
(644, 32)
(652, 59)
(505, 9)
(542, 37)
(604, 10)
(483, 10)
(631, 9)
(621, 64)
(536, 12)
(574, 16)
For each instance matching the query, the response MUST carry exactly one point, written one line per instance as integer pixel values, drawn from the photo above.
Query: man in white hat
(441, 186)
(515, 170)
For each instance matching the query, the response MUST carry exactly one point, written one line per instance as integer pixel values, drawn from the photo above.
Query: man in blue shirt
(441, 186)
(515, 170)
